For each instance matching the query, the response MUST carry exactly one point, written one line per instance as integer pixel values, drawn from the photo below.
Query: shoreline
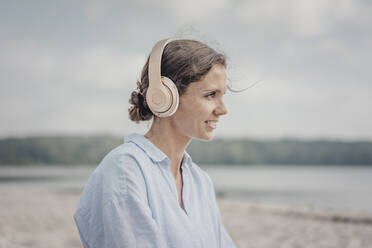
(303, 212)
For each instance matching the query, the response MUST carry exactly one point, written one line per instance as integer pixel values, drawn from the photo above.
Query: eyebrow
(217, 90)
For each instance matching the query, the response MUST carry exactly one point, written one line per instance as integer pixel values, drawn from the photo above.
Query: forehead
(214, 80)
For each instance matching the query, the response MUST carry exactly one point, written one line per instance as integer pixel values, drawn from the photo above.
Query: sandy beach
(41, 218)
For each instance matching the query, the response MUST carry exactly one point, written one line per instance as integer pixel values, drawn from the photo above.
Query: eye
(211, 95)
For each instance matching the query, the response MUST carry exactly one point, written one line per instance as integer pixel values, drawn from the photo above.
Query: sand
(40, 218)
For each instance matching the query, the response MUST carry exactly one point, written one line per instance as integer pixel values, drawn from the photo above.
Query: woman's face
(201, 106)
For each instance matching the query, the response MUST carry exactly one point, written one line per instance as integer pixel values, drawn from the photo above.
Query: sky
(68, 67)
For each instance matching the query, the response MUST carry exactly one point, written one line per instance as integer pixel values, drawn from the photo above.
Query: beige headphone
(162, 95)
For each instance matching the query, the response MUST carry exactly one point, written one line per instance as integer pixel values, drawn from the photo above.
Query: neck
(165, 137)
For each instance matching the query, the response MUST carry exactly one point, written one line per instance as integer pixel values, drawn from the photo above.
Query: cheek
(194, 117)
(190, 113)
(186, 114)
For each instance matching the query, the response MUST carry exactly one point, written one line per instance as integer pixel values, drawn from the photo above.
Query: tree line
(65, 150)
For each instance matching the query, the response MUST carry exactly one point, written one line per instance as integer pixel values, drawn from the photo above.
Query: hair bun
(139, 111)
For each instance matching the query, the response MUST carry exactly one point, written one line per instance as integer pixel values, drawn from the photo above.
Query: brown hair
(184, 62)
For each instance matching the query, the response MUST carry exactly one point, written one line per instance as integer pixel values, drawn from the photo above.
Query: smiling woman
(148, 192)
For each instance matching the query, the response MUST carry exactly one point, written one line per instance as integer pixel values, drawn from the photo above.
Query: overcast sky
(68, 67)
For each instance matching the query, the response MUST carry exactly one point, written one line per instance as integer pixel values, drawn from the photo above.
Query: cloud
(193, 9)
(51, 88)
(312, 57)
(97, 9)
(303, 18)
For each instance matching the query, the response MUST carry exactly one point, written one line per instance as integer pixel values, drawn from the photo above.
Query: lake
(341, 188)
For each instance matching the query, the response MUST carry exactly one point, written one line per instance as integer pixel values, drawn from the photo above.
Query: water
(50, 177)
(346, 188)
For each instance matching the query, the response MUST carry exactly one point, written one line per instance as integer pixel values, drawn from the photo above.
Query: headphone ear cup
(173, 91)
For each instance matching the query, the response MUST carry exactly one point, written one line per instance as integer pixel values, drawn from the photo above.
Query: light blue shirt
(131, 201)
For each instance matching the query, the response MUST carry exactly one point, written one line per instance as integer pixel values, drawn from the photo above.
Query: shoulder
(121, 161)
(118, 171)
(116, 184)
(126, 152)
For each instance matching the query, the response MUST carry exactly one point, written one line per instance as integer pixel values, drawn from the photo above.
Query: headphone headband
(155, 62)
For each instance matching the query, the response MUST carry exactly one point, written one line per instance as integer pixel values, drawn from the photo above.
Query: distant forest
(91, 150)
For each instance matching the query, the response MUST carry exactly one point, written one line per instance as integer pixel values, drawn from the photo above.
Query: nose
(221, 109)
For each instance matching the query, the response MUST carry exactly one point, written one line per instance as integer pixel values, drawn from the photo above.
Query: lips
(211, 123)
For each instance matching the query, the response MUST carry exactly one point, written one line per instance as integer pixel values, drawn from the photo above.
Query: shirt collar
(151, 150)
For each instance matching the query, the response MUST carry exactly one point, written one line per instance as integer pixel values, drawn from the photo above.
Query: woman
(147, 192)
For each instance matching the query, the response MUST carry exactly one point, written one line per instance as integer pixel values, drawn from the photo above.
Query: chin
(205, 137)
